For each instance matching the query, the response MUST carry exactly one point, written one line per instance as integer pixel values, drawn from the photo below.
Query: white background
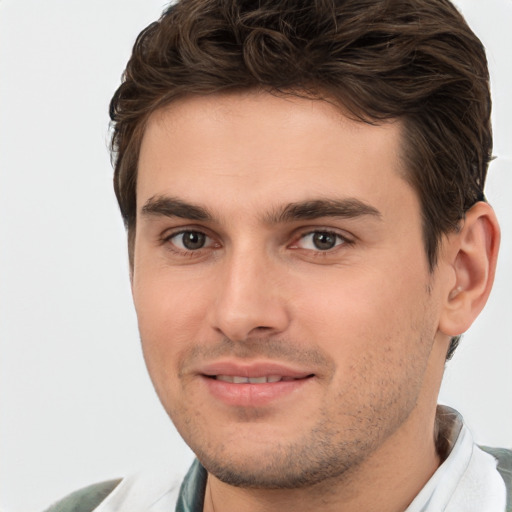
(76, 404)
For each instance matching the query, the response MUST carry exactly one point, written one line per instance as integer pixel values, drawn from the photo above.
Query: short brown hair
(416, 60)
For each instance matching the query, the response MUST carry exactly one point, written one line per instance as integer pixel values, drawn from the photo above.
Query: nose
(250, 299)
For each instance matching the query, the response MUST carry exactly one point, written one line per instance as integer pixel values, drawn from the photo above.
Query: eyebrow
(173, 207)
(302, 210)
(348, 208)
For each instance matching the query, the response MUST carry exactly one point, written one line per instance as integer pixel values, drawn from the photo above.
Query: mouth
(265, 379)
(256, 372)
(254, 384)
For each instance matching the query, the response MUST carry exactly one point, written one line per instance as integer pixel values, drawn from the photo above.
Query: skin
(364, 321)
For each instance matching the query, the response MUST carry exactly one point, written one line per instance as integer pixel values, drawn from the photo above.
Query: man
(302, 185)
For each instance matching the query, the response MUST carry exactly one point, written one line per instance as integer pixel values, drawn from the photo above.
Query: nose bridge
(249, 298)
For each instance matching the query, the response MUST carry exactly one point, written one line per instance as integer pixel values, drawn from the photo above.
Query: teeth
(234, 379)
(257, 380)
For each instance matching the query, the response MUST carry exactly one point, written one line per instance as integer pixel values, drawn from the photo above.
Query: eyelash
(167, 239)
(341, 240)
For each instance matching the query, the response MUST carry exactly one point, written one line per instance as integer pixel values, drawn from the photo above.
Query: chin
(282, 467)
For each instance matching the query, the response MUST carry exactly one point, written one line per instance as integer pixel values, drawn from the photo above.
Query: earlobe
(473, 258)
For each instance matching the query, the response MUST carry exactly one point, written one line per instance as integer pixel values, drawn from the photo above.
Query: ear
(472, 254)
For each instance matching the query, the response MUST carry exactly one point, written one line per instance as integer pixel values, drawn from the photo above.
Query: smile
(257, 388)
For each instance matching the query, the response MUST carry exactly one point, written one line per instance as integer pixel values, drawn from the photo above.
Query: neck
(387, 481)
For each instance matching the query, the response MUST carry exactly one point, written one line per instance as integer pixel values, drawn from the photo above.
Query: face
(285, 305)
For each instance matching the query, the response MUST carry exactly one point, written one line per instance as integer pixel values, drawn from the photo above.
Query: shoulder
(86, 499)
(156, 489)
(503, 457)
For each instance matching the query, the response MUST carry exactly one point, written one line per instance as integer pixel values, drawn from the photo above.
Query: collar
(191, 497)
(467, 479)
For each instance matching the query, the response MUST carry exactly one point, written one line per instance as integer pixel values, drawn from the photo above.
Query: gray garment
(86, 499)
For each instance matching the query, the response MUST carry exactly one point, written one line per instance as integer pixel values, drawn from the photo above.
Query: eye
(190, 240)
(320, 240)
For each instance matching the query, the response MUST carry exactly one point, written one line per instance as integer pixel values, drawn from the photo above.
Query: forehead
(266, 149)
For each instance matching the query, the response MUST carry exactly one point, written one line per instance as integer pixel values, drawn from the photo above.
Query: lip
(252, 369)
(249, 394)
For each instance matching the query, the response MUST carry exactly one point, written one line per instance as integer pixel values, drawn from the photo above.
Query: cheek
(367, 318)
(169, 302)
(380, 341)
(170, 316)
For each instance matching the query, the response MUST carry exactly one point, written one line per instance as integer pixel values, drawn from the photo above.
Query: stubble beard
(299, 465)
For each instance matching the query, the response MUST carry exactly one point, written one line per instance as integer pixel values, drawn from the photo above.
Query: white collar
(467, 481)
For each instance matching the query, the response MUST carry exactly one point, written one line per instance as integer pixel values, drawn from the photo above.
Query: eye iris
(193, 240)
(324, 241)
